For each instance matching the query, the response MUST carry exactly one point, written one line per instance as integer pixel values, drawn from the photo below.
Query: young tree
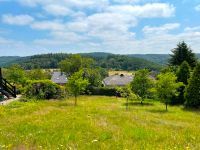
(127, 93)
(192, 94)
(141, 84)
(182, 53)
(15, 74)
(166, 87)
(76, 84)
(74, 63)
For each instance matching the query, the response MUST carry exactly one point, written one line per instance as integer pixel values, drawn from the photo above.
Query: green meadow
(97, 123)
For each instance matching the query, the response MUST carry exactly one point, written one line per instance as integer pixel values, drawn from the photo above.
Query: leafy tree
(94, 76)
(182, 53)
(74, 63)
(37, 74)
(127, 93)
(15, 74)
(192, 94)
(141, 84)
(166, 87)
(77, 84)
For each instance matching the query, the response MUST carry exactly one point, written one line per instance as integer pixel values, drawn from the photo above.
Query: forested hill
(105, 60)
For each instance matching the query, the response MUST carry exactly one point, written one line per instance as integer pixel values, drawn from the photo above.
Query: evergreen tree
(192, 94)
(183, 75)
(182, 53)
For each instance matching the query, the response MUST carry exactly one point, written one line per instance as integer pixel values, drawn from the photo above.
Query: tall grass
(97, 123)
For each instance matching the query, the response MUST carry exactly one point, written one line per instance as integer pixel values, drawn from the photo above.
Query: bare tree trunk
(166, 106)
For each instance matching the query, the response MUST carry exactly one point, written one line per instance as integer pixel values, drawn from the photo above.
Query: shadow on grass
(195, 110)
(138, 104)
(158, 111)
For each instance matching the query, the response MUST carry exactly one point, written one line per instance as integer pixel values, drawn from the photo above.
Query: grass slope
(97, 123)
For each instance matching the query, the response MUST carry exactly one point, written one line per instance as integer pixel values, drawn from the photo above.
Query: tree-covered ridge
(104, 60)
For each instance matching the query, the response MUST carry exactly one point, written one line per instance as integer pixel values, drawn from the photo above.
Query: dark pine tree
(182, 53)
(183, 75)
(192, 94)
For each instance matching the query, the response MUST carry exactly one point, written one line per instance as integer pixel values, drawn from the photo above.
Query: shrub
(105, 91)
(44, 89)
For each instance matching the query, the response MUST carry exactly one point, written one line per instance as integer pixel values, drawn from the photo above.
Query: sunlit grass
(97, 123)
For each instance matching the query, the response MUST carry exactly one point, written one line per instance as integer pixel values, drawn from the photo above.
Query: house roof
(118, 80)
(59, 78)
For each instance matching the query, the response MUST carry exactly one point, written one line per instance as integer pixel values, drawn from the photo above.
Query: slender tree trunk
(166, 106)
(127, 103)
(75, 100)
(141, 102)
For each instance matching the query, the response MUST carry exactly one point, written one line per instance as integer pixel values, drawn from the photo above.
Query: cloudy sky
(117, 26)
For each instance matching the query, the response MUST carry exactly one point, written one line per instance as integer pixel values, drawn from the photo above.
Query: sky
(29, 27)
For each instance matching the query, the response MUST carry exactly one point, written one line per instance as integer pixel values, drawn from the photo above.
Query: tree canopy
(141, 84)
(77, 84)
(182, 53)
(166, 87)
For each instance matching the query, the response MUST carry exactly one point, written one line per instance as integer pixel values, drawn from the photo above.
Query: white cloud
(17, 20)
(197, 8)
(57, 10)
(146, 11)
(48, 25)
(161, 29)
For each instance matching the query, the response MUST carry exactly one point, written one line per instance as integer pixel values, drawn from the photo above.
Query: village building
(117, 80)
(59, 78)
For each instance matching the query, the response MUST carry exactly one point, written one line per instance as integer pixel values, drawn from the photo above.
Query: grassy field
(97, 123)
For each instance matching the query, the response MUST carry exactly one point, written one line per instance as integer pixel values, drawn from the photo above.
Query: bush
(44, 89)
(105, 91)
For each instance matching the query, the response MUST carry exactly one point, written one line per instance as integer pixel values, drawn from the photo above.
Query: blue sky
(30, 27)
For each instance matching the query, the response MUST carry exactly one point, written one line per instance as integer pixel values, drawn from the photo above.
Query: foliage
(166, 87)
(183, 74)
(74, 63)
(77, 84)
(142, 84)
(43, 89)
(105, 91)
(192, 94)
(38, 74)
(15, 74)
(94, 76)
(107, 61)
(182, 53)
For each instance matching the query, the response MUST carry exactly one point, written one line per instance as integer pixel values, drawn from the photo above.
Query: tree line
(178, 83)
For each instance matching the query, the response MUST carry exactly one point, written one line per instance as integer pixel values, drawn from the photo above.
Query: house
(59, 78)
(117, 80)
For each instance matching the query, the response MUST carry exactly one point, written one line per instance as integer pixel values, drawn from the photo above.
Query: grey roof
(59, 78)
(117, 80)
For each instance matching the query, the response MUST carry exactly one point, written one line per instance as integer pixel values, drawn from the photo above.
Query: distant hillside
(108, 60)
(161, 59)
(105, 60)
(4, 60)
